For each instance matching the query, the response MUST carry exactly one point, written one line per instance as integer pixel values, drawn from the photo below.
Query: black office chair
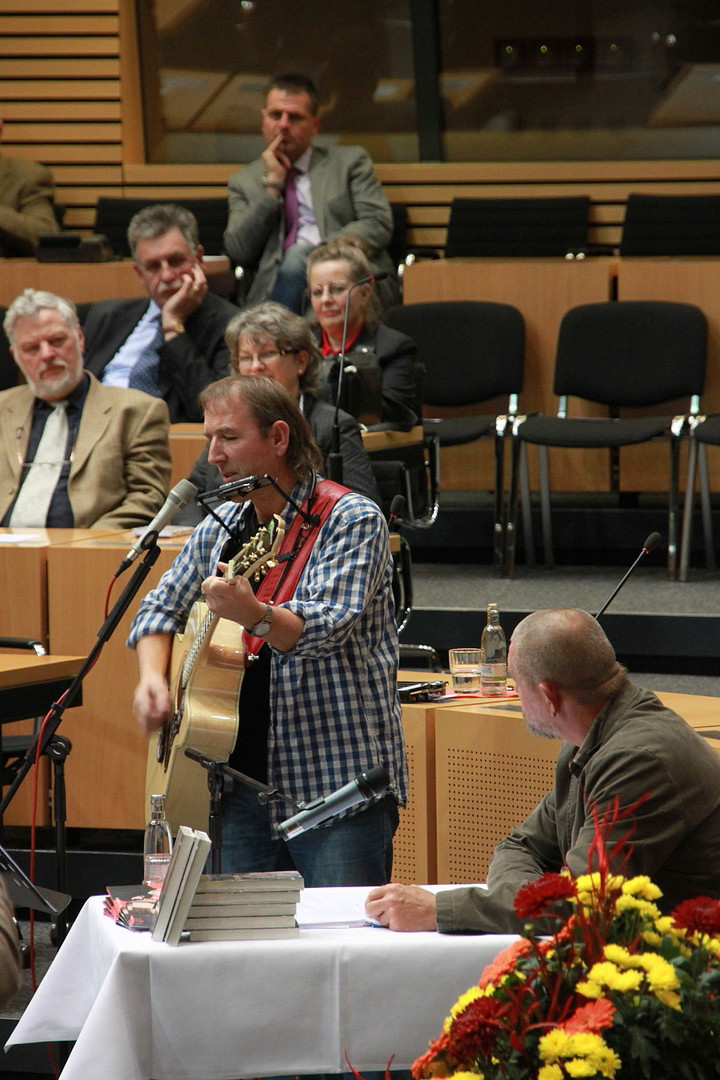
(518, 227)
(113, 215)
(620, 354)
(472, 351)
(671, 225)
(704, 432)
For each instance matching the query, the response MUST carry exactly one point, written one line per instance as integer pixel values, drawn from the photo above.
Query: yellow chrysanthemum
(661, 975)
(617, 954)
(639, 904)
(464, 1000)
(468, 1076)
(550, 1072)
(554, 1044)
(589, 989)
(670, 998)
(579, 1067)
(607, 974)
(642, 887)
(587, 1044)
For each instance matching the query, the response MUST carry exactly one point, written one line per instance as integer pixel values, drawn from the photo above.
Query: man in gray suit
(298, 195)
(74, 453)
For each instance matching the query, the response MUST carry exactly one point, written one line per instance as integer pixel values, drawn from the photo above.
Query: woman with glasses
(271, 340)
(335, 270)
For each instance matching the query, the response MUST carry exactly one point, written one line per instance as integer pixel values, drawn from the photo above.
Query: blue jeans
(291, 281)
(354, 850)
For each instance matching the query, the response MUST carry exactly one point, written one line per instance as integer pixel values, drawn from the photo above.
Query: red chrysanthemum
(537, 897)
(700, 915)
(475, 1030)
(504, 962)
(435, 1061)
(591, 1017)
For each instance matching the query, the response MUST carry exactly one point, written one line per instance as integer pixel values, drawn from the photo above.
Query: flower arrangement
(613, 988)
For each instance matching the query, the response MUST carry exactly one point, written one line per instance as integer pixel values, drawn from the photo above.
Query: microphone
(373, 782)
(398, 506)
(334, 458)
(650, 544)
(246, 486)
(183, 492)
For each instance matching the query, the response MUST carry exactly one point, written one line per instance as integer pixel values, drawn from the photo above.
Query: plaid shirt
(334, 704)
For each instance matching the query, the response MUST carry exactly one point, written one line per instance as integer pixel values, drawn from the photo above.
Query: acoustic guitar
(206, 671)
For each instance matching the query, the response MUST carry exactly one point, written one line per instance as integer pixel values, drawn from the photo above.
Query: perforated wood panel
(415, 841)
(490, 773)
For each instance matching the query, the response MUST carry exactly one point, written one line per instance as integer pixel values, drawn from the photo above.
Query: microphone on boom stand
(650, 544)
(334, 458)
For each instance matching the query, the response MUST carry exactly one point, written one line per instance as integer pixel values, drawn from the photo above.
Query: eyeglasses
(245, 360)
(334, 288)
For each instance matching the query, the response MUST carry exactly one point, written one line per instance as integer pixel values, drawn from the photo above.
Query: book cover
(186, 865)
(239, 922)
(195, 867)
(265, 934)
(269, 880)
(132, 906)
(230, 909)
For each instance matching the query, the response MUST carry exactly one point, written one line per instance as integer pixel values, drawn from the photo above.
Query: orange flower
(435, 1061)
(591, 1017)
(504, 962)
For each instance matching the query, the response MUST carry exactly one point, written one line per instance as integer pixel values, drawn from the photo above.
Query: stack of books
(233, 907)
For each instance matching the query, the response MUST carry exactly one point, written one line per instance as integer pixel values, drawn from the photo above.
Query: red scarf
(329, 350)
(280, 582)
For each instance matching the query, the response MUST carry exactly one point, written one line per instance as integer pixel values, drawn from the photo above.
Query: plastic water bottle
(493, 667)
(157, 848)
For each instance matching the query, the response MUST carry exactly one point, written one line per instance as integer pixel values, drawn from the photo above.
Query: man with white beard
(74, 453)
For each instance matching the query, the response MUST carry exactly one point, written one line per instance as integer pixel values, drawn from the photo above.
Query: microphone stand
(650, 544)
(57, 747)
(217, 772)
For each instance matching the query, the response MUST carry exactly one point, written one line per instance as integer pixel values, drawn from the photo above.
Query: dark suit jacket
(401, 374)
(188, 361)
(357, 470)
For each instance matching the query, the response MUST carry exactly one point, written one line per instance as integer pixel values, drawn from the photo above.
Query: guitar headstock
(258, 556)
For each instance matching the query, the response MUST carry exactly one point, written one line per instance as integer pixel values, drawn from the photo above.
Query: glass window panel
(580, 80)
(206, 64)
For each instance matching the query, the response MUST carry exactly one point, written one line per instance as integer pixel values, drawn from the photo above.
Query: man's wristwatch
(262, 628)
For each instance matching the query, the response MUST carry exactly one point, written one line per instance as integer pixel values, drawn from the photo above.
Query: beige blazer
(26, 210)
(121, 465)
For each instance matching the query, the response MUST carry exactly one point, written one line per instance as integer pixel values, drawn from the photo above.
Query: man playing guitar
(318, 698)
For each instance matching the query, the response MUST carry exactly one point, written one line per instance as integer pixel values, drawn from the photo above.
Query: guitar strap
(280, 582)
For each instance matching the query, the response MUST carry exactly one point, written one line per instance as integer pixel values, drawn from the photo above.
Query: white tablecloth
(139, 1009)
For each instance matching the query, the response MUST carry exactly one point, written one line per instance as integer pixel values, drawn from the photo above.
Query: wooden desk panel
(543, 290)
(490, 772)
(82, 282)
(24, 613)
(106, 769)
(187, 443)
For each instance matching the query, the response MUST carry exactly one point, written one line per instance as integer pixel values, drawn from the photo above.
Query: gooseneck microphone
(183, 493)
(650, 544)
(364, 787)
(334, 458)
